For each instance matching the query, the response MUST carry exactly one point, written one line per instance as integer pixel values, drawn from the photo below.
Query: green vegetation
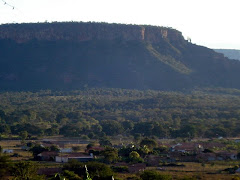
(154, 175)
(95, 169)
(25, 170)
(169, 60)
(5, 165)
(95, 113)
(110, 155)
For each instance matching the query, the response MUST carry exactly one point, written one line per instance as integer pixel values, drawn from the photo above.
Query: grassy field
(7, 144)
(211, 170)
(15, 145)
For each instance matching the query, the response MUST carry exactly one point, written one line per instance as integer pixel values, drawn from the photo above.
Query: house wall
(61, 159)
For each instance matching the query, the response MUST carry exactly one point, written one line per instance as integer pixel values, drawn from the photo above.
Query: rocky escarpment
(78, 55)
(87, 31)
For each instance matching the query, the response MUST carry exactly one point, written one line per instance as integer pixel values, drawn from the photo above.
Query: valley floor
(182, 167)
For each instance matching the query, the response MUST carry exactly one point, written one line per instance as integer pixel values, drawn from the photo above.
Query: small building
(47, 156)
(77, 156)
(187, 148)
(7, 151)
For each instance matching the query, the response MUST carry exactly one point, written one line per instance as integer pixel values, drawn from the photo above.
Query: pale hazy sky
(211, 23)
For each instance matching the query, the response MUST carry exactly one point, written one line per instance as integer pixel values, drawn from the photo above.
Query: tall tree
(26, 170)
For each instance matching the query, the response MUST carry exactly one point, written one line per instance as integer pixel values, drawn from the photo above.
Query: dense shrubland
(94, 113)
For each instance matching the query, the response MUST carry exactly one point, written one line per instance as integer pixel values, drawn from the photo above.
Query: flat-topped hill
(74, 55)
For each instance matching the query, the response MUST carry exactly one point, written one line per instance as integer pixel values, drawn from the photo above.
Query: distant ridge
(70, 55)
(230, 53)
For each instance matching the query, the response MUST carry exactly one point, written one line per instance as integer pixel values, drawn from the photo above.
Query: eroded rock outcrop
(87, 31)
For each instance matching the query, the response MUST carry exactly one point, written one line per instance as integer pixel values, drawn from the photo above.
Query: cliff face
(87, 31)
(76, 55)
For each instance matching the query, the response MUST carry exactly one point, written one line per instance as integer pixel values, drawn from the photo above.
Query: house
(187, 148)
(77, 156)
(47, 155)
(7, 151)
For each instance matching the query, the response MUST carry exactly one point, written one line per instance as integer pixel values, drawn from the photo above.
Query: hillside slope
(63, 56)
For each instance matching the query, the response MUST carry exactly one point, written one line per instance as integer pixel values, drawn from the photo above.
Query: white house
(7, 151)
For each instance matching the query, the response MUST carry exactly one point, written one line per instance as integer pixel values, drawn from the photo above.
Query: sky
(210, 23)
